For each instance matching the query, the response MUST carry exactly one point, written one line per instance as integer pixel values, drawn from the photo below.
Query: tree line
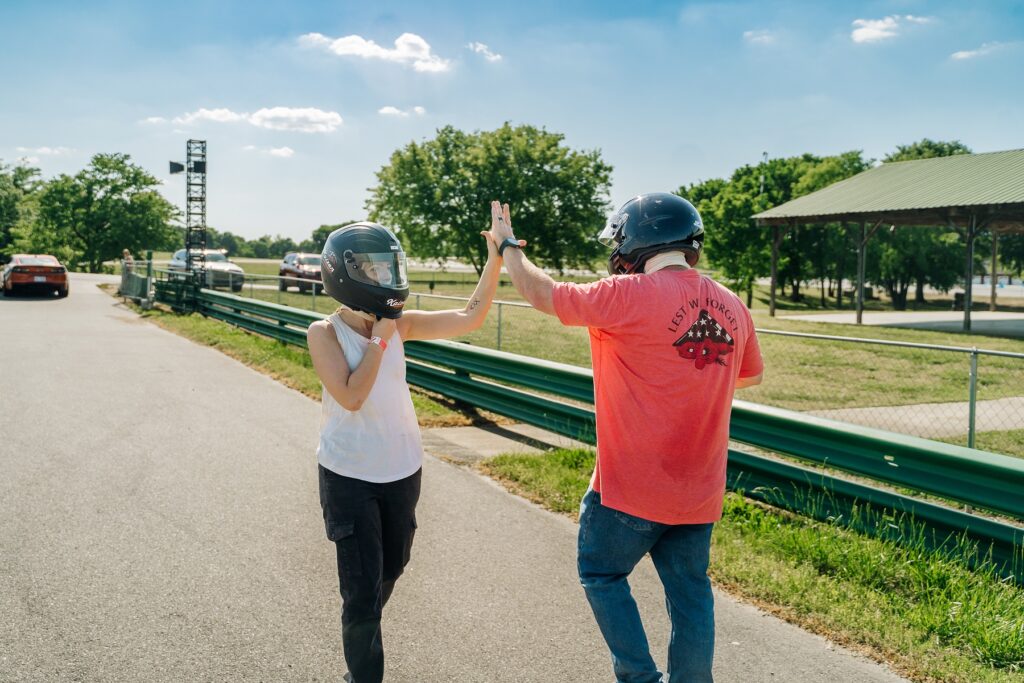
(436, 193)
(897, 260)
(112, 204)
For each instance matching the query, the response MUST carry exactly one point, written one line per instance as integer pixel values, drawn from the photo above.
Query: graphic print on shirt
(705, 343)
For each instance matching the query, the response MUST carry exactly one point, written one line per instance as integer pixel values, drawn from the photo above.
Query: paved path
(994, 323)
(159, 522)
(935, 420)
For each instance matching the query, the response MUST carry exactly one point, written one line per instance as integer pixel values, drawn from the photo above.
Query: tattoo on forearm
(474, 303)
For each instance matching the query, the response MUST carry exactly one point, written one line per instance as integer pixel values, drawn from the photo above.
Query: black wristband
(508, 242)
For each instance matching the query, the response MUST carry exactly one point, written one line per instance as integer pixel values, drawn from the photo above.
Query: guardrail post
(417, 302)
(313, 308)
(972, 398)
(499, 326)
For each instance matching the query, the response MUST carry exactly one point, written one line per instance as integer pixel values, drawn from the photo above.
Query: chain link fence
(973, 397)
(969, 396)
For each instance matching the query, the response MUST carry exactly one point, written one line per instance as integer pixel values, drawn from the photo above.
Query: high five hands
(501, 227)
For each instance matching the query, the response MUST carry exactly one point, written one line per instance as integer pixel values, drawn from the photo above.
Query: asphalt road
(159, 521)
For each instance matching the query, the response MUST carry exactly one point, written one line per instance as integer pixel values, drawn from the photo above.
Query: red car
(300, 270)
(38, 272)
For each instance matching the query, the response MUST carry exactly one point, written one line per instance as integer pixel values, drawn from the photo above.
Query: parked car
(300, 270)
(38, 272)
(220, 272)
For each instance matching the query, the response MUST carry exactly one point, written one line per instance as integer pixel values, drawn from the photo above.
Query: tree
(315, 243)
(110, 205)
(19, 188)
(436, 194)
(1011, 253)
(922, 256)
(904, 256)
(828, 247)
(732, 243)
(927, 149)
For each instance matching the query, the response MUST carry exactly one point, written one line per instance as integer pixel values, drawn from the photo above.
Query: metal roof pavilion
(967, 192)
(919, 192)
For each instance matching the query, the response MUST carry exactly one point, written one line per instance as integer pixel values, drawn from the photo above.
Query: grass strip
(926, 614)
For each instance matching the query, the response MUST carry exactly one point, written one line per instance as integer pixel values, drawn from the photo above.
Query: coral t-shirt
(667, 348)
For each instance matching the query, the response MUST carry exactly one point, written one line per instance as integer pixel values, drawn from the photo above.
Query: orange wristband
(379, 342)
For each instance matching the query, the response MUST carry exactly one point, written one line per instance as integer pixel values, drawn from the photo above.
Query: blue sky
(301, 103)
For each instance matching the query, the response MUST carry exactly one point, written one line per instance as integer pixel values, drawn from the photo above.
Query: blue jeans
(611, 543)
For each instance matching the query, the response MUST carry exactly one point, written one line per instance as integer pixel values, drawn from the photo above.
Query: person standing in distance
(669, 347)
(370, 454)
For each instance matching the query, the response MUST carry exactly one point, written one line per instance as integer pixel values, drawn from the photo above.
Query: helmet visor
(380, 270)
(612, 233)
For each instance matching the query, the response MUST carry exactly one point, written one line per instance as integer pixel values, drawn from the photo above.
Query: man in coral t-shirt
(669, 348)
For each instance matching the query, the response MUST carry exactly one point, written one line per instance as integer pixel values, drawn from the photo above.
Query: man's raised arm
(530, 281)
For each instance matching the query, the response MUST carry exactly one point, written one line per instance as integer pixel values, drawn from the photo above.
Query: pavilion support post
(972, 232)
(862, 245)
(775, 269)
(842, 263)
(994, 270)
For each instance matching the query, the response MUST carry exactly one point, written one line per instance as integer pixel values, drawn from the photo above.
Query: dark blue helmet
(363, 266)
(648, 224)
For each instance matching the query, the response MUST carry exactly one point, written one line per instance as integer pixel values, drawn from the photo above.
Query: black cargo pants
(372, 527)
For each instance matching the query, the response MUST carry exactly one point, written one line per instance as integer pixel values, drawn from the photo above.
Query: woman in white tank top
(370, 453)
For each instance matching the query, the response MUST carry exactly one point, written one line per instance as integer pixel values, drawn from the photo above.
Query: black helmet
(363, 267)
(648, 224)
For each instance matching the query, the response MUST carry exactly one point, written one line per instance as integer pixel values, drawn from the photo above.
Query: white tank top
(380, 442)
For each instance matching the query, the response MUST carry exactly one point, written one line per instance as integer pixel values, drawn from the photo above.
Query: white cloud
(305, 120)
(395, 111)
(217, 115)
(985, 49)
(37, 152)
(281, 152)
(154, 120)
(759, 37)
(875, 30)
(482, 49)
(300, 119)
(409, 49)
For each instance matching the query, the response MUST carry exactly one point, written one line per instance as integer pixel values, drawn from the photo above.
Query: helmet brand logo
(396, 303)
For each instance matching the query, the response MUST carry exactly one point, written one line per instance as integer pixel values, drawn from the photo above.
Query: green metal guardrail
(976, 478)
(985, 480)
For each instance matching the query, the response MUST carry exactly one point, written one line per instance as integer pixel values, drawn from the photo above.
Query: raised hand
(501, 225)
(384, 328)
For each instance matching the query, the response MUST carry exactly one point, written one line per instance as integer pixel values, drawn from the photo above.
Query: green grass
(928, 615)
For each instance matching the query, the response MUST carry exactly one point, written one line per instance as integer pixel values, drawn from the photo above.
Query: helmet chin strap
(664, 260)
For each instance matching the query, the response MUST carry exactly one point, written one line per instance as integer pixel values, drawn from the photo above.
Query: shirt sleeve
(752, 364)
(598, 304)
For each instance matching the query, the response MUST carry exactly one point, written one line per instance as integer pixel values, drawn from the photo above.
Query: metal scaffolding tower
(195, 207)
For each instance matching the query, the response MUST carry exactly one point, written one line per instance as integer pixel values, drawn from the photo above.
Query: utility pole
(764, 160)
